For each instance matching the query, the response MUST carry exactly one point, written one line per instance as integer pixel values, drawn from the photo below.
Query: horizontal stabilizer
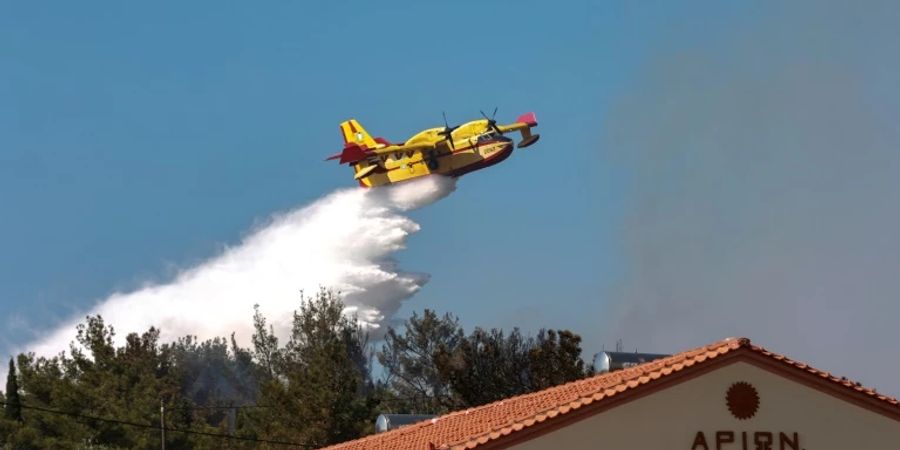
(353, 153)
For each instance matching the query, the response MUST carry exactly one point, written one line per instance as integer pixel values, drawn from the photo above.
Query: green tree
(13, 408)
(490, 365)
(266, 352)
(409, 359)
(126, 382)
(555, 358)
(321, 391)
(316, 388)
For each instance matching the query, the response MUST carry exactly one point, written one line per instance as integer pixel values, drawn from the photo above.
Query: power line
(156, 427)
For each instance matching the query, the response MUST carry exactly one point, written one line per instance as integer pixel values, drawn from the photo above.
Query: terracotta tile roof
(475, 427)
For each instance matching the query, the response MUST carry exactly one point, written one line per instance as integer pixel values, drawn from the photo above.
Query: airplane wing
(399, 148)
(354, 153)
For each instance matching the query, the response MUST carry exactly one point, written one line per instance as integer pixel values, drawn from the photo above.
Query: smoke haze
(766, 173)
(343, 241)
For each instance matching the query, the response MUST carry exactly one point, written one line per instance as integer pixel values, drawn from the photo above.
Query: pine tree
(322, 391)
(13, 407)
(490, 365)
(410, 365)
(555, 358)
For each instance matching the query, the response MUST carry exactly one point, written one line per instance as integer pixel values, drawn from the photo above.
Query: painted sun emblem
(742, 400)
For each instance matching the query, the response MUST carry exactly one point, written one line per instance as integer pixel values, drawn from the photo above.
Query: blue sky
(138, 140)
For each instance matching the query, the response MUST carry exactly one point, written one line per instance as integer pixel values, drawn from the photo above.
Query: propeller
(446, 132)
(491, 122)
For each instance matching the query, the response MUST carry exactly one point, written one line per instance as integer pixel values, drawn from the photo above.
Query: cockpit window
(486, 136)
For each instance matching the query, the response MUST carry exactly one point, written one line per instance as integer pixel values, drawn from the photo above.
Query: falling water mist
(343, 241)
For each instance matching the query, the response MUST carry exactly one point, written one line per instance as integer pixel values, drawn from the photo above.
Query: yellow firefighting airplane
(449, 151)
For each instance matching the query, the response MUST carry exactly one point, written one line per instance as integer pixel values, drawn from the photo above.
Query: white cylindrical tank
(386, 422)
(612, 361)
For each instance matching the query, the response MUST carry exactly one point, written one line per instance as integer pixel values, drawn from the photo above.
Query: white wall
(671, 418)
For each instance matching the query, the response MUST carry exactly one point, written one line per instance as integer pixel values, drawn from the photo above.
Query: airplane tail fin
(528, 118)
(357, 142)
(355, 134)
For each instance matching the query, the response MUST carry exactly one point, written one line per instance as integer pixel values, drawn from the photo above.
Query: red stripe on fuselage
(486, 162)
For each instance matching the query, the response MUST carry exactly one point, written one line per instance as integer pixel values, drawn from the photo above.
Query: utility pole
(232, 420)
(162, 424)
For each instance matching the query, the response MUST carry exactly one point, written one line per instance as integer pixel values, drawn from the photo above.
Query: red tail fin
(528, 118)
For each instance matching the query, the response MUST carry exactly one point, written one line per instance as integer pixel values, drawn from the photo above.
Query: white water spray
(343, 241)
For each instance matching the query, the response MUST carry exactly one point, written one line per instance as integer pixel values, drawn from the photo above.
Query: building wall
(673, 417)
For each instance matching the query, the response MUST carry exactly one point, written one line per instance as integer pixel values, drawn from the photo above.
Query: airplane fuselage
(467, 155)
